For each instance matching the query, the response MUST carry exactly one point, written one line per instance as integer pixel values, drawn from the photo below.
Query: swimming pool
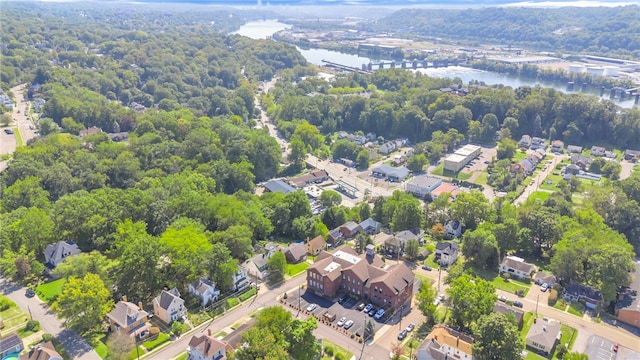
(11, 357)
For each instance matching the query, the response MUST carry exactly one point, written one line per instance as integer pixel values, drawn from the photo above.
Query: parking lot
(348, 309)
(599, 348)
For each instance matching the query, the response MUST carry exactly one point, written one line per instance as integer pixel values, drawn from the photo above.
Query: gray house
(57, 253)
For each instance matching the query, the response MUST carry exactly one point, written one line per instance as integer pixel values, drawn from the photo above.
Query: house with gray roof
(574, 149)
(168, 306)
(628, 304)
(516, 267)
(10, 344)
(350, 229)
(207, 347)
(505, 309)
(543, 335)
(598, 151)
(130, 319)
(206, 290)
(370, 226)
(422, 186)
(56, 253)
(447, 252)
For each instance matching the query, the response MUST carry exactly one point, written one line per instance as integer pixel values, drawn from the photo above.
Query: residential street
(266, 298)
(542, 175)
(75, 346)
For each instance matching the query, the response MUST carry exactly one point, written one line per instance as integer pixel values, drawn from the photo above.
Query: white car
(348, 324)
(436, 302)
(379, 314)
(544, 287)
(368, 308)
(342, 321)
(311, 307)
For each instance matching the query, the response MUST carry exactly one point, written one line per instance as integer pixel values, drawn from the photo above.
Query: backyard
(295, 269)
(12, 317)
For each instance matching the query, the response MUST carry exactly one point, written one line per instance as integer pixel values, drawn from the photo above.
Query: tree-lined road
(75, 345)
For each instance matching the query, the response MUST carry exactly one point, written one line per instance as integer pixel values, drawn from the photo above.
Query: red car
(615, 347)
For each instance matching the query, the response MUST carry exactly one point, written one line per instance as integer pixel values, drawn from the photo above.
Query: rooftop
(424, 181)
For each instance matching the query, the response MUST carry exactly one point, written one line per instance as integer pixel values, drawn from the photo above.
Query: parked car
(502, 298)
(348, 324)
(368, 308)
(30, 293)
(372, 312)
(402, 335)
(436, 302)
(544, 287)
(342, 321)
(410, 327)
(361, 306)
(342, 299)
(426, 267)
(441, 297)
(517, 304)
(616, 347)
(8, 131)
(379, 314)
(311, 307)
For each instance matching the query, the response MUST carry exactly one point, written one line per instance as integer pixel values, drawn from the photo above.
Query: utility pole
(299, 287)
(537, 298)
(439, 272)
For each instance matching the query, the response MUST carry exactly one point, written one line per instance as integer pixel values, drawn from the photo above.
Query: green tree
(470, 298)
(362, 159)
(362, 240)
(412, 249)
(222, 266)
(480, 248)
(425, 300)
(25, 192)
(277, 265)
(260, 345)
(408, 214)
(237, 238)
(298, 151)
(140, 261)
(417, 163)
(88, 263)
(472, 208)
(83, 303)
(330, 198)
(119, 345)
(188, 248)
(301, 340)
(496, 338)
(575, 356)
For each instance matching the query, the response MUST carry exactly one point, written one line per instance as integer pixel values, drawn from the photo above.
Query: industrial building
(456, 161)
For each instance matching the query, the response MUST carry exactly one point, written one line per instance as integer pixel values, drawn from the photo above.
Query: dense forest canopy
(595, 30)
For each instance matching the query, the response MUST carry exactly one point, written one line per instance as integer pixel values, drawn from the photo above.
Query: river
(266, 28)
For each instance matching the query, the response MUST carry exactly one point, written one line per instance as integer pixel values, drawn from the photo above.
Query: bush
(5, 303)
(231, 302)
(152, 344)
(340, 356)
(32, 325)
(553, 297)
(47, 337)
(328, 350)
(251, 292)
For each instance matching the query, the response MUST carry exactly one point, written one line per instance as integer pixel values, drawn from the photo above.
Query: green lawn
(527, 321)
(295, 269)
(576, 309)
(182, 356)
(99, 346)
(560, 305)
(519, 156)
(19, 141)
(48, 292)
(482, 178)
(251, 292)
(152, 344)
(336, 349)
(136, 353)
(221, 334)
(231, 302)
(509, 286)
(538, 197)
(13, 316)
(555, 179)
(430, 260)
(463, 175)
(568, 336)
(439, 170)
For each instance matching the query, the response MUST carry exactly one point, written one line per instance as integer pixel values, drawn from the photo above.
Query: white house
(168, 306)
(206, 347)
(447, 252)
(445, 343)
(55, 254)
(206, 290)
(240, 279)
(516, 267)
(452, 229)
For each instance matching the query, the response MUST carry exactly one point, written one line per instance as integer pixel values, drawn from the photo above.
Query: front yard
(510, 286)
(48, 292)
(295, 269)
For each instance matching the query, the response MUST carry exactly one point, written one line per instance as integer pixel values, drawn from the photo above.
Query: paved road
(539, 178)
(75, 346)
(22, 122)
(266, 298)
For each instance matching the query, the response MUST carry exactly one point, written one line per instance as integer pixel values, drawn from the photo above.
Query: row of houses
(446, 343)
(528, 165)
(533, 143)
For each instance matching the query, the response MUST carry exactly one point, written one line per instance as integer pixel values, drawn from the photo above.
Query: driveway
(75, 345)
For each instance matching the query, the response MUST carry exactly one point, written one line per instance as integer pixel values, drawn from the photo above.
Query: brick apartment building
(363, 275)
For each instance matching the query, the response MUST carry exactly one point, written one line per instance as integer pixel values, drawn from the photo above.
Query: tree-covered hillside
(598, 30)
